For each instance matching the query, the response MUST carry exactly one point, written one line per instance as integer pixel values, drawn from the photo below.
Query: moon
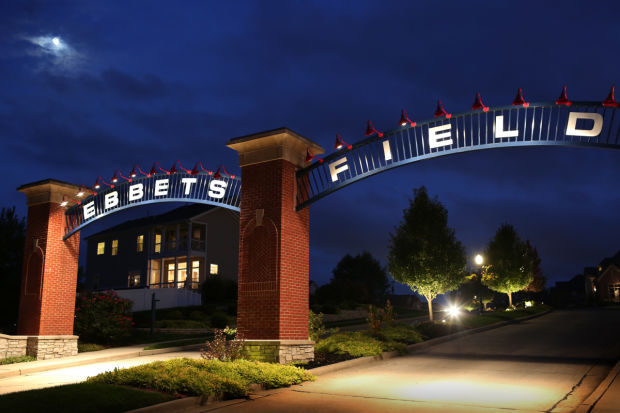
(56, 41)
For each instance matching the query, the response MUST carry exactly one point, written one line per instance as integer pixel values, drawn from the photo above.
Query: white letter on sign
(111, 200)
(136, 192)
(217, 189)
(335, 168)
(387, 152)
(571, 125)
(438, 138)
(499, 129)
(89, 210)
(161, 187)
(187, 182)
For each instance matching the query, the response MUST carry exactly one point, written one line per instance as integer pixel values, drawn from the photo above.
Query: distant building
(602, 283)
(170, 253)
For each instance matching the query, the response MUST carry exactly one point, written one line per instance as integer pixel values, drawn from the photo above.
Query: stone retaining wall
(12, 346)
(279, 351)
(49, 347)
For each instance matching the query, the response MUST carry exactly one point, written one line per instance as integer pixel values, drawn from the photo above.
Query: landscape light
(478, 259)
(453, 311)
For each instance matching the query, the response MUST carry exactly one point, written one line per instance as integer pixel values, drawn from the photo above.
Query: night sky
(143, 81)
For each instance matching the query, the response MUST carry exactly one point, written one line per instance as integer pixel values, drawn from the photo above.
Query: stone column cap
(49, 190)
(281, 143)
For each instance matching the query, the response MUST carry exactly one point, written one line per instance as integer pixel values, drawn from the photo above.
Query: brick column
(273, 246)
(49, 274)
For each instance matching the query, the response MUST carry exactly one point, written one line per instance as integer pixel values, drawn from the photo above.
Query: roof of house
(606, 262)
(178, 214)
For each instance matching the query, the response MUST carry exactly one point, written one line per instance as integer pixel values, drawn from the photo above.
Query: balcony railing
(192, 285)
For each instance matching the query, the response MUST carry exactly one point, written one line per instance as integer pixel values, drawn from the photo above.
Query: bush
(180, 324)
(102, 317)
(354, 344)
(399, 333)
(205, 377)
(221, 348)
(219, 320)
(316, 327)
(197, 315)
(432, 329)
(17, 359)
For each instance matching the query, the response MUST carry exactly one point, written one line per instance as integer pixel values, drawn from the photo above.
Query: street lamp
(479, 260)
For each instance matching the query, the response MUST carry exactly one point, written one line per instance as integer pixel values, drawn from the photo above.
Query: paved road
(78, 374)
(550, 363)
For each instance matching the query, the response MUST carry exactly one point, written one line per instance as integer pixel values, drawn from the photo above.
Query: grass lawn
(81, 397)
(491, 317)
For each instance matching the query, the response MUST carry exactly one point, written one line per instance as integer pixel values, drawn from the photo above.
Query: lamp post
(479, 260)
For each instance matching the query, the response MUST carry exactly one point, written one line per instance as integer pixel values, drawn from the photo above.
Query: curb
(319, 371)
(101, 359)
(588, 404)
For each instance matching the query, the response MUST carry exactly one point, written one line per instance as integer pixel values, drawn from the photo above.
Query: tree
(538, 279)
(475, 294)
(359, 279)
(510, 266)
(424, 253)
(12, 237)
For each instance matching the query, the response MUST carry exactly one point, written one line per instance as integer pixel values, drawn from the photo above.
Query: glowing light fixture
(310, 156)
(195, 171)
(440, 111)
(156, 165)
(340, 142)
(135, 170)
(64, 201)
(404, 119)
(453, 311)
(610, 102)
(100, 181)
(218, 174)
(519, 101)
(563, 99)
(370, 129)
(478, 104)
(478, 259)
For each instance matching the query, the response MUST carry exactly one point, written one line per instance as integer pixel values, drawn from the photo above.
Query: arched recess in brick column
(49, 272)
(276, 322)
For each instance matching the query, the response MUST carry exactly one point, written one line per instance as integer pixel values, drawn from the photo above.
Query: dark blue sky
(141, 81)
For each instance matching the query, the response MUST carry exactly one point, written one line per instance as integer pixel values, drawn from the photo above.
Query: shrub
(219, 320)
(220, 348)
(205, 377)
(354, 344)
(388, 314)
(431, 329)
(102, 317)
(180, 324)
(400, 333)
(373, 319)
(197, 315)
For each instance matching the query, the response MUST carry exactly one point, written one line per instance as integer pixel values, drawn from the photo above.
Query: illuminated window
(133, 280)
(101, 248)
(157, 242)
(171, 272)
(114, 247)
(182, 274)
(140, 243)
(213, 269)
(195, 273)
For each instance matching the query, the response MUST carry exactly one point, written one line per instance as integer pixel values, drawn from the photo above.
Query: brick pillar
(49, 274)
(273, 246)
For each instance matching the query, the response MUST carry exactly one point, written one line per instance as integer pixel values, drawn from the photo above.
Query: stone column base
(50, 347)
(12, 346)
(279, 351)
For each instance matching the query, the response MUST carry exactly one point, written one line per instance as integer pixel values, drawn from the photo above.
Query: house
(603, 281)
(170, 254)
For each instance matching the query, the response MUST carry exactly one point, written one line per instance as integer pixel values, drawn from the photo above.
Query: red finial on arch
(370, 129)
(478, 104)
(610, 102)
(563, 99)
(440, 111)
(404, 119)
(519, 101)
(340, 142)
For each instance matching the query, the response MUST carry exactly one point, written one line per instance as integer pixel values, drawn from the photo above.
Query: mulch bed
(324, 359)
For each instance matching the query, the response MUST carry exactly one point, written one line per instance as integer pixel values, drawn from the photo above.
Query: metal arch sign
(223, 191)
(536, 124)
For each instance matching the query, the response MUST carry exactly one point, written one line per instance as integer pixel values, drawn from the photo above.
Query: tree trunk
(430, 308)
(510, 300)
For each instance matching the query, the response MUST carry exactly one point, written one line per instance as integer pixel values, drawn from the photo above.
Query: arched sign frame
(536, 124)
(223, 191)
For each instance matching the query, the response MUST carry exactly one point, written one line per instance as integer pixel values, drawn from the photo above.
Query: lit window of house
(157, 242)
(182, 274)
(114, 247)
(213, 269)
(140, 243)
(100, 248)
(133, 280)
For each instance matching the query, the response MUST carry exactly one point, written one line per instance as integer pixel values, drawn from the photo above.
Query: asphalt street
(551, 363)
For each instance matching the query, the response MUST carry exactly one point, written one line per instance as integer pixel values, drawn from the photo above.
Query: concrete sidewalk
(92, 357)
(606, 397)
